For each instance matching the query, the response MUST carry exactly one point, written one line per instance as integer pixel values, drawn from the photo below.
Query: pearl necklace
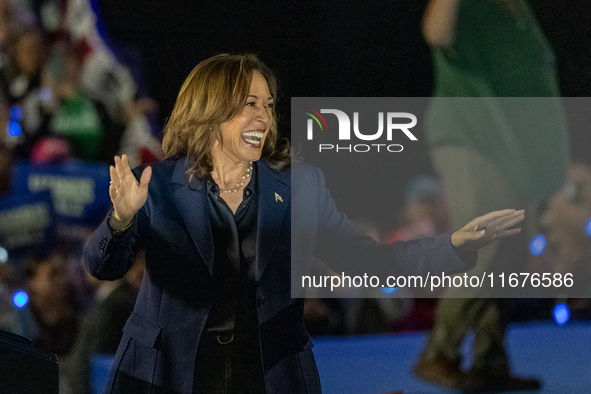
(240, 182)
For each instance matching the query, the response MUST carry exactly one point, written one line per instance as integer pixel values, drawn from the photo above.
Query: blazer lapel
(274, 190)
(191, 202)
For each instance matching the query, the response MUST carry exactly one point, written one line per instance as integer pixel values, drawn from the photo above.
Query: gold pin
(278, 198)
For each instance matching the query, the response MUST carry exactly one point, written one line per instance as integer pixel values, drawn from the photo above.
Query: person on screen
(497, 135)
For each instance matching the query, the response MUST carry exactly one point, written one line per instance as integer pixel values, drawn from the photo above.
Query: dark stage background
(325, 48)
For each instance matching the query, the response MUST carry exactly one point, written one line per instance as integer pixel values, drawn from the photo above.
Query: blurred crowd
(65, 100)
(64, 90)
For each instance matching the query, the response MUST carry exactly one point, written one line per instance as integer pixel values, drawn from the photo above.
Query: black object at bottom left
(25, 369)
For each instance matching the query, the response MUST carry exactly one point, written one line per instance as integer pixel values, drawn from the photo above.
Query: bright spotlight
(537, 245)
(16, 114)
(20, 299)
(561, 313)
(14, 129)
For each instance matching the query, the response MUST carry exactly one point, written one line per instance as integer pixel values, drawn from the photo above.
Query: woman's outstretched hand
(127, 194)
(487, 228)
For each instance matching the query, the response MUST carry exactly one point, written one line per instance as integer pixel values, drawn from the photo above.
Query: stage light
(14, 129)
(537, 245)
(389, 290)
(561, 313)
(20, 299)
(588, 227)
(16, 114)
(3, 255)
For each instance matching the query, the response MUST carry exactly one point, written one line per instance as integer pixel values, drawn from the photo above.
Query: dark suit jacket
(161, 337)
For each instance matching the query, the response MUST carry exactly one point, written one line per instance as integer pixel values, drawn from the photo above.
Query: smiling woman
(225, 95)
(243, 137)
(208, 224)
(214, 313)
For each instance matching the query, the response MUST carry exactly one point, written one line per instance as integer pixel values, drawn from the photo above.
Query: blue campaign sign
(27, 222)
(80, 190)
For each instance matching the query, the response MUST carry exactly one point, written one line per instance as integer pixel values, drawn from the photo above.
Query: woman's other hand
(127, 194)
(487, 228)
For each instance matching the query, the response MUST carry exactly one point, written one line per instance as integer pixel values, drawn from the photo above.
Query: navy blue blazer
(158, 350)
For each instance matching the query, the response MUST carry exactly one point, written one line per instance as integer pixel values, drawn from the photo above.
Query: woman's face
(244, 135)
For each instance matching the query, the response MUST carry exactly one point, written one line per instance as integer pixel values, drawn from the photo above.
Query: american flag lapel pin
(278, 198)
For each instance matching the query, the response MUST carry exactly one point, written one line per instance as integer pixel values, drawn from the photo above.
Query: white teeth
(254, 142)
(256, 134)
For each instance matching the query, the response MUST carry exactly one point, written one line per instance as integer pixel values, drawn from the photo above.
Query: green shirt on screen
(496, 92)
